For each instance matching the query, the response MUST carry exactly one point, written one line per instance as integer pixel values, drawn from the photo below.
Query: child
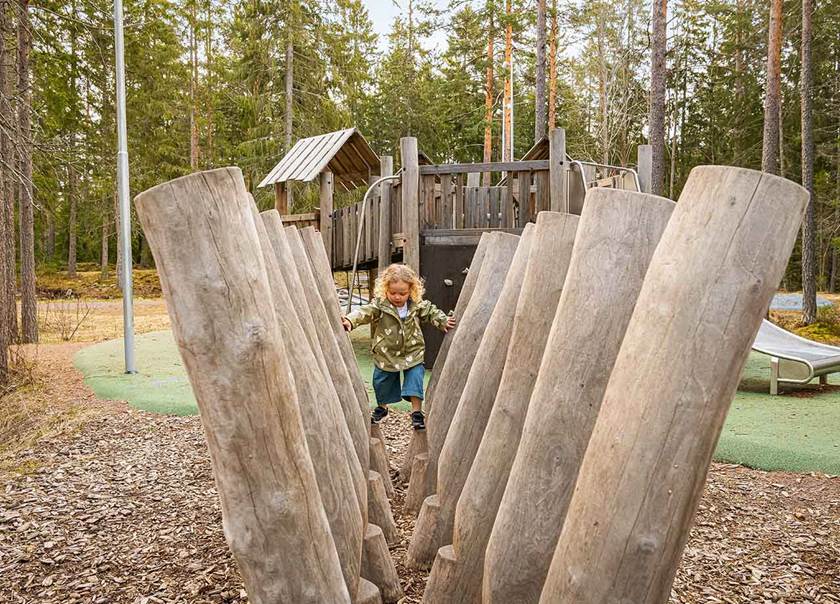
(397, 342)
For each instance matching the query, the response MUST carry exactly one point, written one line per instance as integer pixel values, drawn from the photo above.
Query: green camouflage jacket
(397, 344)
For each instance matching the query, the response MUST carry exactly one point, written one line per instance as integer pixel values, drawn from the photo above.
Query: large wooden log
(417, 445)
(434, 526)
(548, 262)
(617, 235)
(458, 313)
(303, 292)
(378, 566)
(709, 286)
(467, 335)
(358, 424)
(379, 463)
(322, 272)
(337, 468)
(202, 234)
(380, 509)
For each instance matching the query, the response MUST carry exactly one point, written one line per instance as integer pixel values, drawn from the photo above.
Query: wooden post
(727, 244)
(281, 198)
(356, 421)
(379, 510)
(326, 286)
(576, 343)
(386, 168)
(337, 469)
(202, 225)
(410, 201)
(557, 170)
(378, 566)
(379, 463)
(530, 318)
(467, 335)
(645, 167)
(326, 211)
(434, 524)
(460, 307)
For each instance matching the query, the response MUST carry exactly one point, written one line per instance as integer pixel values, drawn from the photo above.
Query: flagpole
(122, 191)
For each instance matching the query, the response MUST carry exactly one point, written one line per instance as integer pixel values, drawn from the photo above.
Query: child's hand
(346, 324)
(450, 324)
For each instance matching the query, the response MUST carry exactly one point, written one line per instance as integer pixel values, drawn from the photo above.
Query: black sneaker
(418, 420)
(379, 413)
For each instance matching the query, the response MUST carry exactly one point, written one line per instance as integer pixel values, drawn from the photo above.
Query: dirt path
(124, 509)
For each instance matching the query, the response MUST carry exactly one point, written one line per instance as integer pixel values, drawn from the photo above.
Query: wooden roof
(345, 153)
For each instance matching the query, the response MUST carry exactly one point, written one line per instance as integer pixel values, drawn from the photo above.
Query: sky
(382, 13)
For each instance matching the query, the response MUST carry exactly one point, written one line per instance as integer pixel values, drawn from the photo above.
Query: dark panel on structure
(441, 264)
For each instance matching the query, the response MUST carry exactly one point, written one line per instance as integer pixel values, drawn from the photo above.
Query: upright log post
(460, 307)
(337, 469)
(281, 198)
(434, 524)
(201, 226)
(357, 423)
(545, 275)
(383, 254)
(322, 273)
(617, 233)
(467, 335)
(722, 256)
(557, 167)
(644, 167)
(410, 201)
(325, 203)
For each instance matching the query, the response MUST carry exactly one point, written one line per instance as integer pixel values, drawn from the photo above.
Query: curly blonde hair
(399, 272)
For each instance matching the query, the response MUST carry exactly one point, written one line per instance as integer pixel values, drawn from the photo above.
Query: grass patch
(55, 284)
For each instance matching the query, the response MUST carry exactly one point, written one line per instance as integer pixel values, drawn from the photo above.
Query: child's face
(398, 292)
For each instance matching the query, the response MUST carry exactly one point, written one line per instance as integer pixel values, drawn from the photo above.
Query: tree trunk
(488, 96)
(73, 192)
(507, 104)
(290, 108)
(6, 230)
(658, 76)
(552, 69)
(539, 92)
(194, 150)
(772, 98)
(603, 100)
(640, 481)
(809, 227)
(29, 316)
(103, 249)
(8, 185)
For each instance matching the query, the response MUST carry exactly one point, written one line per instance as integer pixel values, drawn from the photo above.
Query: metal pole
(122, 191)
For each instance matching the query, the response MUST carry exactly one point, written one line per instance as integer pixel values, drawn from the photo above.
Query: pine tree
(772, 99)
(809, 282)
(29, 317)
(656, 119)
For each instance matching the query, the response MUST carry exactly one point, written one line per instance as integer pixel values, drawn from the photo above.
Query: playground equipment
(431, 216)
(793, 359)
(571, 423)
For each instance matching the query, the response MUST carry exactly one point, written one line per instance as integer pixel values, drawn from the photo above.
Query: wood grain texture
(617, 234)
(378, 567)
(466, 338)
(379, 463)
(358, 424)
(202, 234)
(379, 509)
(337, 467)
(434, 530)
(410, 201)
(722, 255)
(488, 436)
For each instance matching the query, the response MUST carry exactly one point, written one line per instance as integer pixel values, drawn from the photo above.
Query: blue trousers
(386, 384)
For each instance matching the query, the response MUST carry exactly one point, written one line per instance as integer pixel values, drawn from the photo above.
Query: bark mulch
(125, 510)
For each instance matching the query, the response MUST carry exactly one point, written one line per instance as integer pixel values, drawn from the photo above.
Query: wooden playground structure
(432, 216)
(572, 414)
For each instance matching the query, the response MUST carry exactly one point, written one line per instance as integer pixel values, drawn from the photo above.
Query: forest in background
(213, 83)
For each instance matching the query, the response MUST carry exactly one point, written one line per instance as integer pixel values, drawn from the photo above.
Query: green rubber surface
(798, 431)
